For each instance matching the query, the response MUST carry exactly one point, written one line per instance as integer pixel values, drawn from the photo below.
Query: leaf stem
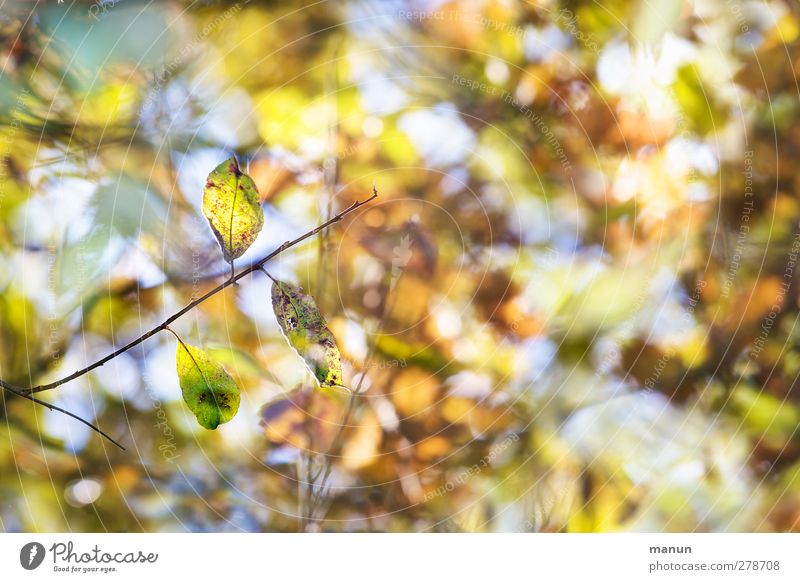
(177, 337)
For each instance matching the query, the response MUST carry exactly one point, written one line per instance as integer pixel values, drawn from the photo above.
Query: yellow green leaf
(306, 331)
(233, 209)
(207, 388)
(697, 100)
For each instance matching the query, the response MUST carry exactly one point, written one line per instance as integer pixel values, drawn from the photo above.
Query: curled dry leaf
(307, 332)
(232, 206)
(208, 390)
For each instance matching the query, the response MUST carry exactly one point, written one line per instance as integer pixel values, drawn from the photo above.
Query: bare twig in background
(330, 168)
(327, 463)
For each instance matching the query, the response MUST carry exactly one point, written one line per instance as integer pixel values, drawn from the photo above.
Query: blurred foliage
(573, 307)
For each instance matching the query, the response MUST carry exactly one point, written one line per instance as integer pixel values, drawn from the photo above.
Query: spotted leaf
(306, 331)
(207, 388)
(231, 205)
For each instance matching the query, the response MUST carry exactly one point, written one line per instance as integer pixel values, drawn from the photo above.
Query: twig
(301, 520)
(27, 392)
(327, 466)
(15, 390)
(330, 173)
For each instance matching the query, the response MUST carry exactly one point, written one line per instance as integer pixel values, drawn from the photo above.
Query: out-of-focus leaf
(697, 101)
(655, 18)
(408, 248)
(479, 417)
(307, 332)
(207, 388)
(232, 206)
(129, 207)
(124, 211)
(362, 448)
(607, 508)
(270, 176)
(600, 20)
(414, 392)
(304, 419)
(240, 364)
(19, 336)
(433, 448)
(426, 357)
(129, 34)
(764, 415)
